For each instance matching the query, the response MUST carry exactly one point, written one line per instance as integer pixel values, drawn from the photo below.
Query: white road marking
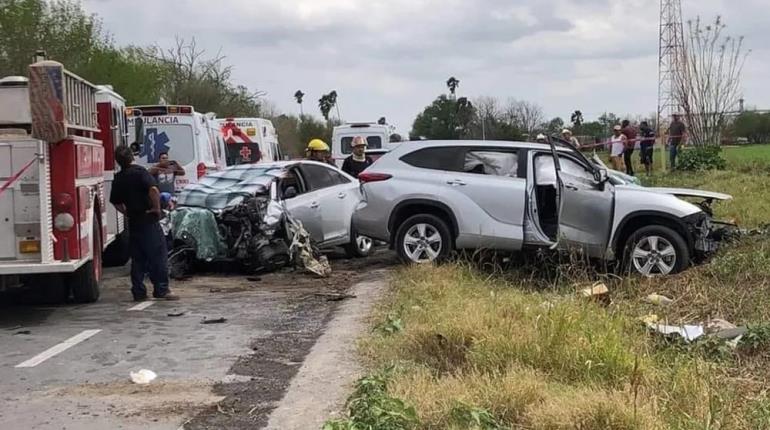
(141, 306)
(58, 349)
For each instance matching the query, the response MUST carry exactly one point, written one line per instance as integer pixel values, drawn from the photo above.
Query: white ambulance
(249, 140)
(190, 138)
(377, 139)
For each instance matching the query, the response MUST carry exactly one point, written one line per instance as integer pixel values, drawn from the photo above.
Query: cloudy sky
(392, 57)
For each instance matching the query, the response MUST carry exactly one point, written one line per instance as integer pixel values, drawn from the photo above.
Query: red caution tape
(15, 177)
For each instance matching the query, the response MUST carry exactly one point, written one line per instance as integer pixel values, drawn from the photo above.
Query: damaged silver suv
(432, 197)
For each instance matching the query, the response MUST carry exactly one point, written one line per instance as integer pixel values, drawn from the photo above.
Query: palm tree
(576, 119)
(333, 101)
(298, 96)
(452, 83)
(325, 105)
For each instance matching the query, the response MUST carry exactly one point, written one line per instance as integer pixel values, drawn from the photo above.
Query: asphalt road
(67, 367)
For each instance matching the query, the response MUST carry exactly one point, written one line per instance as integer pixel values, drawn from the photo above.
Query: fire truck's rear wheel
(85, 281)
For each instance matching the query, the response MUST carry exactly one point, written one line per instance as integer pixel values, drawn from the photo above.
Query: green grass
(491, 347)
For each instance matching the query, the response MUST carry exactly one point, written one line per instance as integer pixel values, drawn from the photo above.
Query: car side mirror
(290, 193)
(601, 176)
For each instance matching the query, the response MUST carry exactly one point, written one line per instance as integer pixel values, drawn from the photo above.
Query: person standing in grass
(676, 135)
(566, 134)
(617, 148)
(630, 132)
(646, 146)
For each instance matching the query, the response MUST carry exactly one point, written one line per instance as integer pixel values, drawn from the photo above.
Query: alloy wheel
(422, 243)
(654, 255)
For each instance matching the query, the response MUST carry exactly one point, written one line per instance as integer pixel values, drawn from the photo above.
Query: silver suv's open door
(544, 199)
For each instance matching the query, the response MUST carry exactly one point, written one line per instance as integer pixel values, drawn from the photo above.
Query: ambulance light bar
(159, 110)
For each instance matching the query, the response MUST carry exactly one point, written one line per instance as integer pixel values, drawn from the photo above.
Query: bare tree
(488, 113)
(205, 83)
(524, 115)
(710, 86)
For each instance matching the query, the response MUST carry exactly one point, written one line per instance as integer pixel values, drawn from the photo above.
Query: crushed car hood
(687, 192)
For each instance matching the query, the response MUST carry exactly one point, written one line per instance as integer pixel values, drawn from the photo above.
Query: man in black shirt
(676, 134)
(358, 161)
(646, 145)
(135, 194)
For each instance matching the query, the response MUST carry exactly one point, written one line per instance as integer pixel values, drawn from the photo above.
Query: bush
(702, 158)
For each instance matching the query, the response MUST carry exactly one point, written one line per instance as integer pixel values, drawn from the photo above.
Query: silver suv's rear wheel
(656, 251)
(423, 239)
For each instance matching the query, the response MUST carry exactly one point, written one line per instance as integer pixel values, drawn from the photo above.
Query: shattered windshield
(492, 163)
(228, 187)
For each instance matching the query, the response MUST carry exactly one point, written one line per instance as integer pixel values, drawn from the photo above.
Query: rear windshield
(177, 140)
(372, 142)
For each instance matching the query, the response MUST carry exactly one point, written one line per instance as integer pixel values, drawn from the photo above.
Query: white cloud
(391, 57)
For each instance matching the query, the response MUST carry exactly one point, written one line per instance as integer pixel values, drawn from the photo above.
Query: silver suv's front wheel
(656, 251)
(423, 239)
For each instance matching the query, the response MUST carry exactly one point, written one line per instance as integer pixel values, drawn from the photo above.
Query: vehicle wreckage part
(360, 247)
(656, 250)
(423, 239)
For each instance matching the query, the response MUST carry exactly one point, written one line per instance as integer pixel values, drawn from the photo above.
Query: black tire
(274, 256)
(435, 224)
(353, 250)
(85, 281)
(677, 242)
(118, 252)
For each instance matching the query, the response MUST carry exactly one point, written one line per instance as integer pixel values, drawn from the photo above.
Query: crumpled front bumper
(707, 234)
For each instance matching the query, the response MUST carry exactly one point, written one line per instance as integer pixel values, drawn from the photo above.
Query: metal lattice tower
(671, 59)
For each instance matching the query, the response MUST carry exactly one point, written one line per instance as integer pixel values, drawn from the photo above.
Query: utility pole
(672, 60)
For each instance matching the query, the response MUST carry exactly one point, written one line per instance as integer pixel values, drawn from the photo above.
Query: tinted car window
(318, 177)
(571, 167)
(496, 163)
(545, 172)
(372, 142)
(444, 158)
(338, 178)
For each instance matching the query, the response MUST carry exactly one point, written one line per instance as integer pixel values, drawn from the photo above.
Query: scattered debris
(599, 292)
(732, 333)
(254, 279)
(718, 324)
(687, 332)
(219, 320)
(16, 327)
(657, 299)
(215, 290)
(143, 377)
(597, 289)
(176, 313)
(23, 332)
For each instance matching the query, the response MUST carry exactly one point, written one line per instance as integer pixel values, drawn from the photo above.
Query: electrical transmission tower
(671, 60)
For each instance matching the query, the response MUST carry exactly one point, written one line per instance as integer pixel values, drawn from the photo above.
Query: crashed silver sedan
(266, 216)
(429, 198)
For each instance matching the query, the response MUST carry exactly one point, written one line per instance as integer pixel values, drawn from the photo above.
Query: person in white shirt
(617, 148)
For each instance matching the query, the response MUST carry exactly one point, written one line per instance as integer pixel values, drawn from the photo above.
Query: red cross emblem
(246, 153)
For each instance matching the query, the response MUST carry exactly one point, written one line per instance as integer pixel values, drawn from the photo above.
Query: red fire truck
(57, 138)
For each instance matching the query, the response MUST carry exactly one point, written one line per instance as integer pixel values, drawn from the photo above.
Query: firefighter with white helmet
(541, 138)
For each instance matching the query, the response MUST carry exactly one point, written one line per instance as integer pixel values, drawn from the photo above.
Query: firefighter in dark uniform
(135, 194)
